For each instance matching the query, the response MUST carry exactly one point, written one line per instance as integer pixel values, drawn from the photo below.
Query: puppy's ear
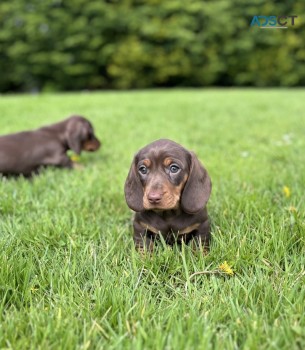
(133, 189)
(75, 134)
(197, 189)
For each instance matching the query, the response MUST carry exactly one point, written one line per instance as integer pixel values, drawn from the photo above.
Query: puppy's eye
(174, 168)
(143, 169)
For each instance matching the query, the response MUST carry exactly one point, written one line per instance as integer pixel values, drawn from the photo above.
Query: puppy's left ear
(133, 189)
(197, 189)
(75, 135)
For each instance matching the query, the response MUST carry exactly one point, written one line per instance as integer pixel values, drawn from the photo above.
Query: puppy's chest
(175, 226)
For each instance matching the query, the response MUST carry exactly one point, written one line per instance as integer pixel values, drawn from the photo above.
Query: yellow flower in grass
(286, 191)
(33, 290)
(75, 158)
(224, 267)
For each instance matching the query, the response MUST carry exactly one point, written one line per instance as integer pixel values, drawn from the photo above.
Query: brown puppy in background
(168, 189)
(25, 152)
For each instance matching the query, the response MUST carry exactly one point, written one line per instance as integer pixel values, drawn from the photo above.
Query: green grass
(69, 275)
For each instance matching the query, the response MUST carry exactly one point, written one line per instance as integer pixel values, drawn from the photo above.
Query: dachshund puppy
(25, 152)
(168, 189)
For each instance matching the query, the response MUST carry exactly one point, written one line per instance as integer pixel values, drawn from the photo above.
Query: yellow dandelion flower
(75, 158)
(286, 191)
(224, 267)
(33, 290)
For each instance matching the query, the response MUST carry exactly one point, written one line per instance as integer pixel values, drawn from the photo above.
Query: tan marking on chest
(149, 227)
(167, 161)
(186, 230)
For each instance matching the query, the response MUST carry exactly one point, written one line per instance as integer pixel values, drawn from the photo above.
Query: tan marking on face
(167, 161)
(91, 145)
(170, 199)
(147, 162)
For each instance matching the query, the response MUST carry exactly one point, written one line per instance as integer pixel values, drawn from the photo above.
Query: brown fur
(25, 152)
(167, 201)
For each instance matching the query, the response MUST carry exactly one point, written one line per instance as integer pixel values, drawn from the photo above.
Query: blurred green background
(58, 45)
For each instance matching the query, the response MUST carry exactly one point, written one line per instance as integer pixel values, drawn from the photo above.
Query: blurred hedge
(82, 44)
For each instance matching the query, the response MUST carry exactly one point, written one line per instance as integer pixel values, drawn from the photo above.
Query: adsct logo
(273, 22)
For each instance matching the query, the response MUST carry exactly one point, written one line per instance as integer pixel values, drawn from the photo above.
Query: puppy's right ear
(133, 189)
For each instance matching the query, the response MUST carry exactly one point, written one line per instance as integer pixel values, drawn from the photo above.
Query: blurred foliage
(81, 44)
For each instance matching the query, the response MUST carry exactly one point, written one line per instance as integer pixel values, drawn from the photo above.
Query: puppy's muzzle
(91, 146)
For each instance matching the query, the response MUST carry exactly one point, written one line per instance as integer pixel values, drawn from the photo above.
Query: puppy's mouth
(91, 146)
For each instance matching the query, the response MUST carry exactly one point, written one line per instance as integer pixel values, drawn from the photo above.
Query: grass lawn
(69, 275)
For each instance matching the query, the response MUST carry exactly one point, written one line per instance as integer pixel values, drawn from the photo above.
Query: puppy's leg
(201, 238)
(143, 242)
(59, 160)
(65, 162)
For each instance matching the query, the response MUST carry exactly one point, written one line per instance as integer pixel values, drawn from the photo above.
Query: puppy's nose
(154, 197)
